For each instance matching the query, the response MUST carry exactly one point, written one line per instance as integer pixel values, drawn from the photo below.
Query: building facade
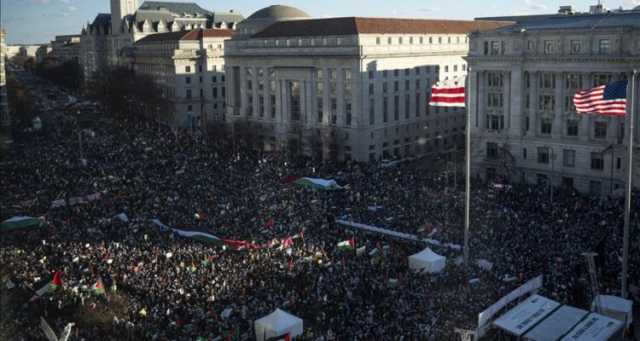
(345, 88)
(64, 49)
(188, 66)
(522, 81)
(104, 40)
(5, 119)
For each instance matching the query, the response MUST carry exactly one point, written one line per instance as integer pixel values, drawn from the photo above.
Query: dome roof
(278, 12)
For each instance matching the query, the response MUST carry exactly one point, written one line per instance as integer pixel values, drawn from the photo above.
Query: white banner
(487, 315)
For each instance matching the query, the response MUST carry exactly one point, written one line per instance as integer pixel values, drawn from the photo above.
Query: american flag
(609, 100)
(448, 93)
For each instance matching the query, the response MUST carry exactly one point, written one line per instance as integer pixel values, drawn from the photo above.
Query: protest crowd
(139, 181)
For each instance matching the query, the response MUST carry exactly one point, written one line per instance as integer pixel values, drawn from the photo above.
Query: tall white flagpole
(627, 207)
(467, 186)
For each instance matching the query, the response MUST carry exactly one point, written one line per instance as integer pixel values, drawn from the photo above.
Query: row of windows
(417, 70)
(600, 129)
(214, 79)
(421, 40)
(548, 47)
(546, 155)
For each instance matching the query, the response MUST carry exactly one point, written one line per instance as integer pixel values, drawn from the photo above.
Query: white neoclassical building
(345, 88)
(523, 78)
(189, 68)
(104, 40)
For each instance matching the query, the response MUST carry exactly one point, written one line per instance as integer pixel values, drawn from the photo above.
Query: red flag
(56, 279)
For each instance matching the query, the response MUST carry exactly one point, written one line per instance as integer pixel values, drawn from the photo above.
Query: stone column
(585, 120)
(556, 131)
(482, 100)
(473, 101)
(515, 100)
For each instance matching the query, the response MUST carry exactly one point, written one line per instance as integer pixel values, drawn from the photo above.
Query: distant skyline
(38, 21)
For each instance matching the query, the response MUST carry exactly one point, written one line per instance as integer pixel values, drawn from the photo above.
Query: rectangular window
(396, 108)
(492, 150)
(545, 126)
(372, 112)
(407, 106)
(547, 81)
(495, 79)
(187, 69)
(600, 130)
(384, 88)
(187, 80)
(495, 122)
(569, 106)
(215, 92)
(524, 153)
(320, 109)
(261, 105)
(572, 127)
(273, 106)
(334, 109)
(604, 46)
(371, 88)
(495, 100)
(548, 47)
(546, 103)
(418, 102)
(573, 81)
(347, 108)
(543, 155)
(569, 158)
(385, 110)
(575, 46)
(597, 163)
(188, 93)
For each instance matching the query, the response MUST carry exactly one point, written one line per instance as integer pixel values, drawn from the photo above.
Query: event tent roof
(594, 328)
(278, 323)
(557, 324)
(525, 315)
(427, 260)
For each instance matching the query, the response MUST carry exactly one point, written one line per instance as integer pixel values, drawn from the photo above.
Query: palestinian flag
(49, 287)
(98, 288)
(20, 222)
(200, 236)
(317, 183)
(347, 245)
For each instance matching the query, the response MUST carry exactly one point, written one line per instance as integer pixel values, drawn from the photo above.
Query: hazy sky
(38, 21)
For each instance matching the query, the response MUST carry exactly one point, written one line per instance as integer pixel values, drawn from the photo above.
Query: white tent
(615, 307)
(427, 260)
(276, 324)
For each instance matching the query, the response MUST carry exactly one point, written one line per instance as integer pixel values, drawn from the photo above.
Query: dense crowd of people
(162, 286)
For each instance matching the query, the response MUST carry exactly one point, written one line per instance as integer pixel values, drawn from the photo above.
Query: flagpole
(627, 207)
(467, 171)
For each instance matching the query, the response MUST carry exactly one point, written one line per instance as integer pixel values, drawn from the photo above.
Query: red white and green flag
(50, 287)
(347, 245)
(98, 288)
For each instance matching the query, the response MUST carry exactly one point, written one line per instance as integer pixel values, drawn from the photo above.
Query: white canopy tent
(616, 307)
(428, 261)
(276, 324)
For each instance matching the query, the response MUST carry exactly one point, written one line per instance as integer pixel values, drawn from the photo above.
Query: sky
(38, 21)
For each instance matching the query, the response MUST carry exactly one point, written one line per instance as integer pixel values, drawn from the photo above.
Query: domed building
(265, 17)
(343, 88)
